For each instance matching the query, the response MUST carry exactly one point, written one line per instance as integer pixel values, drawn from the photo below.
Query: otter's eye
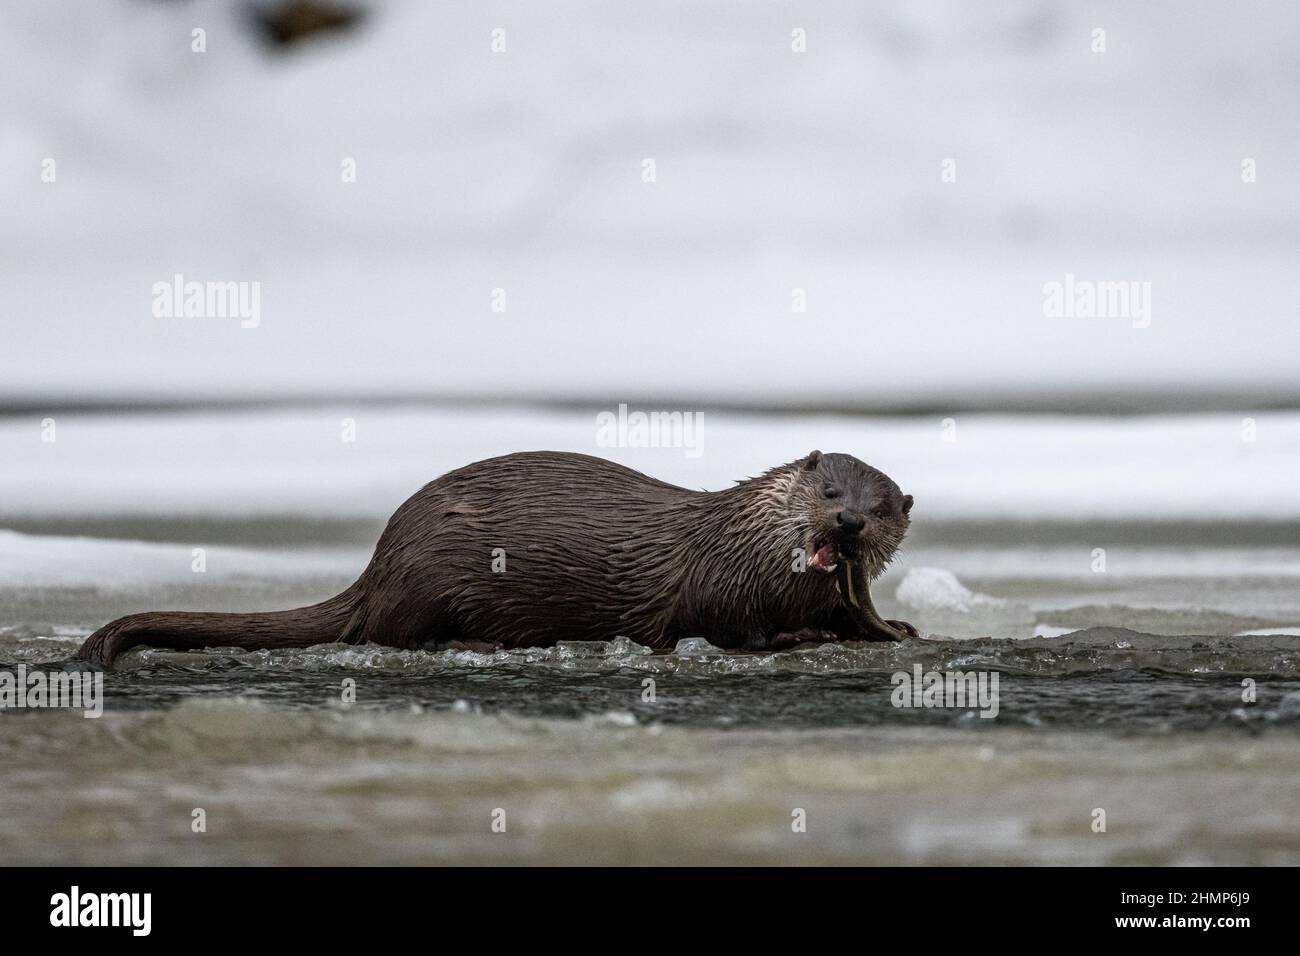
(881, 512)
(831, 491)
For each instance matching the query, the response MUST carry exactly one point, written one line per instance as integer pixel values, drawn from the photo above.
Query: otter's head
(854, 513)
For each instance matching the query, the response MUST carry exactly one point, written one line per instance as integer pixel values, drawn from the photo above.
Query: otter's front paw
(906, 628)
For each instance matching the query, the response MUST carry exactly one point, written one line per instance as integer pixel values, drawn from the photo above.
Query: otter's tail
(187, 630)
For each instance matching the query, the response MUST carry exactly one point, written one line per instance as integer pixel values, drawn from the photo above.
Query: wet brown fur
(592, 550)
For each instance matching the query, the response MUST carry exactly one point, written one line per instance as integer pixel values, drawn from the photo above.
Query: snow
(296, 462)
(775, 171)
(48, 561)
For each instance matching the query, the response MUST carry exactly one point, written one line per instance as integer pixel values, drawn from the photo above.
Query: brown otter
(537, 547)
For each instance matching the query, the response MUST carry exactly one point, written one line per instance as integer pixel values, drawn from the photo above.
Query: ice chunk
(695, 647)
(941, 606)
(937, 589)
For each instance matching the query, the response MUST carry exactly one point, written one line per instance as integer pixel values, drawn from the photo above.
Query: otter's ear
(814, 458)
(907, 504)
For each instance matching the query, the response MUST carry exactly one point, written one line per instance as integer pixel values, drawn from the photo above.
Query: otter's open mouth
(823, 555)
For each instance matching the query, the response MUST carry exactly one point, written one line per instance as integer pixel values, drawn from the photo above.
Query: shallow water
(564, 743)
(1100, 677)
(327, 785)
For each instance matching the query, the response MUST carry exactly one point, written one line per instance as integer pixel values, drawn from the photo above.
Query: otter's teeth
(823, 559)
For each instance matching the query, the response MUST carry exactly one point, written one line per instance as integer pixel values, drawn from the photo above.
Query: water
(1150, 727)
(1097, 678)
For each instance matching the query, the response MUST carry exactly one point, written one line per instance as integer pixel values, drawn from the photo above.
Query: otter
(537, 547)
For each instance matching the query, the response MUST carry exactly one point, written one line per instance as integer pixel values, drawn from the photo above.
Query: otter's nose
(850, 522)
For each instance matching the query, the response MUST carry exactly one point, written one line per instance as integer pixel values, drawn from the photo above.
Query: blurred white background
(775, 170)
